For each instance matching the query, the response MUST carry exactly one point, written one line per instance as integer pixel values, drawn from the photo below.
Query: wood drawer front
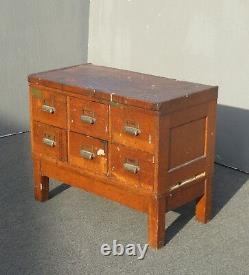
(132, 167)
(88, 117)
(133, 128)
(49, 141)
(88, 153)
(49, 107)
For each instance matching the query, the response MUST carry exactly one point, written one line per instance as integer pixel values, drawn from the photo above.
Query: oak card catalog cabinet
(144, 141)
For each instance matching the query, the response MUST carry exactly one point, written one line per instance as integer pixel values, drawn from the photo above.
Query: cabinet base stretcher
(151, 204)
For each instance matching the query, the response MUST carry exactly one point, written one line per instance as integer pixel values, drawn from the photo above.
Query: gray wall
(36, 35)
(196, 40)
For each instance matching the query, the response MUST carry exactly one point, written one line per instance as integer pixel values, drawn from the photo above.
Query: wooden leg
(203, 204)
(41, 183)
(156, 222)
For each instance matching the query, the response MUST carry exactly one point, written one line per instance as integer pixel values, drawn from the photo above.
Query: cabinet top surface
(122, 86)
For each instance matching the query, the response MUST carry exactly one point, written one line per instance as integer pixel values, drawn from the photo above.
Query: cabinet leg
(203, 204)
(41, 183)
(156, 222)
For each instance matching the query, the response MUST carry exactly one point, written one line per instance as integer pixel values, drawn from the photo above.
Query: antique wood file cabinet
(144, 141)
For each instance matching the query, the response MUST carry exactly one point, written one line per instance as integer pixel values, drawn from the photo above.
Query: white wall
(196, 40)
(36, 35)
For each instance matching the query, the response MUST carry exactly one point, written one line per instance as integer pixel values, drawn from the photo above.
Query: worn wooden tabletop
(141, 90)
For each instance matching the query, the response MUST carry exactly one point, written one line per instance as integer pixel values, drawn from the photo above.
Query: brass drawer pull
(87, 154)
(88, 119)
(132, 130)
(49, 142)
(131, 168)
(48, 109)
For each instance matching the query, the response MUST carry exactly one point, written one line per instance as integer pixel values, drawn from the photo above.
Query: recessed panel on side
(187, 142)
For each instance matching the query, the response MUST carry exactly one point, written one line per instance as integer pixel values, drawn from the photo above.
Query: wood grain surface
(144, 141)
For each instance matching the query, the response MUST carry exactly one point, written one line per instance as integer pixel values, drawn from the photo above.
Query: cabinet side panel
(185, 147)
(187, 142)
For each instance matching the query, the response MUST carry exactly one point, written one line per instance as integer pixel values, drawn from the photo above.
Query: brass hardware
(131, 167)
(49, 142)
(48, 109)
(36, 92)
(87, 119)
(132, 130)
(115, 104)
(87, 154)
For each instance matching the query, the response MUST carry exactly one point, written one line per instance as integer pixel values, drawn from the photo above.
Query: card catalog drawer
(49, 107)
(49, 141)
(88, 117)
(132, 167)
(134, 128)
(88, 153)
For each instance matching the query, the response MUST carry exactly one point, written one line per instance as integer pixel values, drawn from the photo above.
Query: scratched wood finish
(97, 111)
(122, 116)
(97, 147)
(58, 150)
(156, 221)
(126, 87)
(41, 186)
(66, 173)
(120, 155)
(43, 97)
(185, 194)
(204, 203)
(190, 137)
(146, 142)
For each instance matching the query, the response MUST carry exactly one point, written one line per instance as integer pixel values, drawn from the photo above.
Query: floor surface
(64, 234)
